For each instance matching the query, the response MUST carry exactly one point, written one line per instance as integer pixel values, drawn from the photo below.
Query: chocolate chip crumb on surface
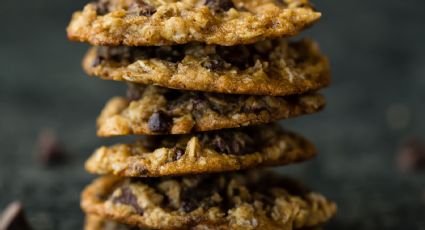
(411, 156)
(13, 218)
(49, 150)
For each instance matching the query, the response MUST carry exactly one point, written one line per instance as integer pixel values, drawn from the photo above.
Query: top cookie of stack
(169, 22)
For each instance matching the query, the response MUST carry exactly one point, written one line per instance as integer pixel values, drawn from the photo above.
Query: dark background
(376, 102)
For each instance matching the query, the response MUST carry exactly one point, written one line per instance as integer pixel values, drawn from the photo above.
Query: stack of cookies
(206, 80)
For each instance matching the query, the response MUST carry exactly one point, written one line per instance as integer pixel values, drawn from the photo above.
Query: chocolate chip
(97, 61)
(141, 8)
(179, 153)
(220, 144)
(159, 122)
(231, 143)
(134, 92)
(219, 5)
(128, 198)
(13, 218)
(411, 156)
(48, 149)
(102, 7)
(140, 169)
(188, 206)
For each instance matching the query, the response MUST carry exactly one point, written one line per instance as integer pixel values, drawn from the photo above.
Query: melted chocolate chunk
(128, 198)
(197, 196)
(159, 122)
(232, 144)
(141, 8)
(219, 5)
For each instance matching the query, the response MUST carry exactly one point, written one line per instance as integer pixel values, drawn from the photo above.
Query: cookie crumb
(411, 156)
(49, 151)
(13, 218)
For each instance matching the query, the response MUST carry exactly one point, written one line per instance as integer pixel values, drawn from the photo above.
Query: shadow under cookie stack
(207, 82)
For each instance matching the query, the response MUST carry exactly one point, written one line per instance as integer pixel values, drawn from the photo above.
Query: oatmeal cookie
(159, 22)
(96, 223)
(273, 67)
(230, 150)
(247, 200)
(153, 110)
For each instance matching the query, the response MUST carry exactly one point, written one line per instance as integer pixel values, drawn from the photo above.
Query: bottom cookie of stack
(244, 200)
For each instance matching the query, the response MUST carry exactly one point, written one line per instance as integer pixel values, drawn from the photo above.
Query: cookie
(272, 67)
(93, 222)
(246, 200)
(230, 150)
(96, 223)
(157, 22)
(155, 110)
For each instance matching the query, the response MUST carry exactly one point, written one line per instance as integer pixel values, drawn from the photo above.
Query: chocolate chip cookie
(246, 200)
(229, 150)
(155, 110)
(96, 223)
(157, 22)
(272, 67)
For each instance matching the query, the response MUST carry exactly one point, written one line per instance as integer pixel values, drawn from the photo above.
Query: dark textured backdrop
(376, 101)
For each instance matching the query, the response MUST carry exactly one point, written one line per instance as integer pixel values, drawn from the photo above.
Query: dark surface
(376, 101)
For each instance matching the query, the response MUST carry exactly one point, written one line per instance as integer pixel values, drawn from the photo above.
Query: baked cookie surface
(229, 150)
(273, 67)
(153, 110)
(249, 200)
(96, 223)
(159, 22)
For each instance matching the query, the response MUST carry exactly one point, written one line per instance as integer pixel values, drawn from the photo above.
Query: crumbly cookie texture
(272, 67)
(155, 110)
(218, 151)
(97, 223)
(248, 200)
(159, 22)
